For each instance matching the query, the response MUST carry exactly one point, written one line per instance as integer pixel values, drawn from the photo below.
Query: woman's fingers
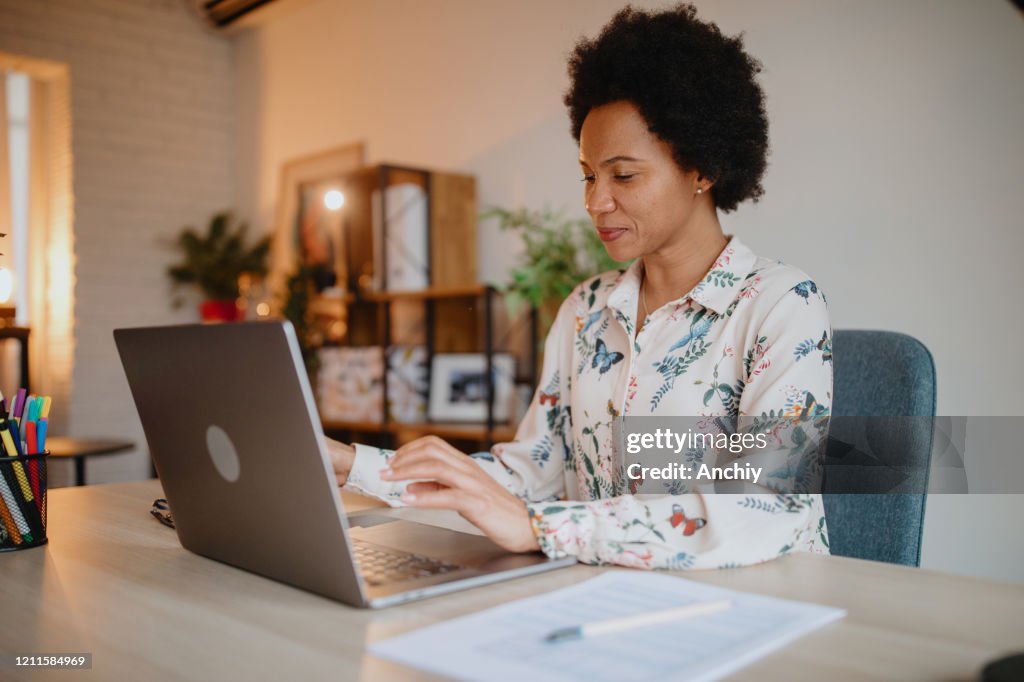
(428, 445)
(430, 470)
(433, 454)
(444, 478)
(423, 487)
(445, 498)
(419, 460)
(425, 441)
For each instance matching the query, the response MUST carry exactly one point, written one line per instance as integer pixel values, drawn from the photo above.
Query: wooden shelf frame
(431, 293)
(457, 431)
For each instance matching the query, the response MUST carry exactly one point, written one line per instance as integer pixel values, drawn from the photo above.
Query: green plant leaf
(558, 253)
(215, 261)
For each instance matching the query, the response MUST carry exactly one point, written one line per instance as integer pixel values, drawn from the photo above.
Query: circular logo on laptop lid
(223, 453)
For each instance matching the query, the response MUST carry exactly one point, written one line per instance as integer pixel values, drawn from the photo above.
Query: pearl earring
(700, 190)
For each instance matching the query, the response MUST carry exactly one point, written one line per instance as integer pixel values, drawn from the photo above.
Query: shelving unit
(477, 304)
(452, 314)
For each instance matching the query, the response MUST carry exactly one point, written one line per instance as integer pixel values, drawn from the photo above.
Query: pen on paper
(605, 627)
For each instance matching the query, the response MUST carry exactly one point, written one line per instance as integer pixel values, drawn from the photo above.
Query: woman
(671, 129)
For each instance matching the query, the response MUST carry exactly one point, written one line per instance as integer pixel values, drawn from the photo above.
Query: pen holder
(22, 501)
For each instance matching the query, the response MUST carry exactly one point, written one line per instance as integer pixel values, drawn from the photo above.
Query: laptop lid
(232, 427)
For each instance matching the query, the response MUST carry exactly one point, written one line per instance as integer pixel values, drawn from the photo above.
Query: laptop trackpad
(443, 544)
(358, 520)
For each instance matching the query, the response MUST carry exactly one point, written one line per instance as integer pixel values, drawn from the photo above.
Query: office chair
(877, 375)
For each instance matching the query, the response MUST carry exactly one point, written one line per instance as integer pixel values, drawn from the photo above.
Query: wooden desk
(116, 583)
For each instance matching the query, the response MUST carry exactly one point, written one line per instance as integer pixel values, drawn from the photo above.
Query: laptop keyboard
(380, 565)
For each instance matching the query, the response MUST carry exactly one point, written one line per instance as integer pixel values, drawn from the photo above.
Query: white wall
(153, 146)
(894, 179)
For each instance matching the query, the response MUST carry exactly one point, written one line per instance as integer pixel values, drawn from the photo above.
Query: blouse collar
(719, 288)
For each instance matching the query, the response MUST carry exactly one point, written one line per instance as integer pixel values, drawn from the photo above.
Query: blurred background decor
(404, 246)
(407, 383)
(459, 387)
(6, 291)
(558, 253)
(214, 262)
(295, 308)
(310, 222)
(350, 385)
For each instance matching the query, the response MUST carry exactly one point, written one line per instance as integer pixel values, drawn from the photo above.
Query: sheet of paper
(507, 642)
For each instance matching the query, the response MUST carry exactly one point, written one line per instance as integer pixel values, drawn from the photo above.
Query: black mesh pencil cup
(22, 501)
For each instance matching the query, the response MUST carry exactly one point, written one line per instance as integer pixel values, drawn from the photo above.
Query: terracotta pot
(219, 311)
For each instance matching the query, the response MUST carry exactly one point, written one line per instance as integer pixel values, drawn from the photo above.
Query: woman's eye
(625, 177)
(589, 179)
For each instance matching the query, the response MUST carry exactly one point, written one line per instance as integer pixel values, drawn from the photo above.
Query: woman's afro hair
(695, 87)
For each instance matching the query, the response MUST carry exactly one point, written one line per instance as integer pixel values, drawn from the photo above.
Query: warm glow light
(337, 330)
(334, 199)
(262, 309)
(6, 285)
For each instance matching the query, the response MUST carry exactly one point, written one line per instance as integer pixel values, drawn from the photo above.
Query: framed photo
(405, 242)
(407, 384)
(350, 384)
(309, 225)
(458, 387)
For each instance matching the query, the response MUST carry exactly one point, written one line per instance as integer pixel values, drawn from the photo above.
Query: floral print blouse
(751, 339)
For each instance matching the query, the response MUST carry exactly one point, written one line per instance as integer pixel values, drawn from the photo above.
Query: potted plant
(299, 289)
(214, 262)
(559, 253)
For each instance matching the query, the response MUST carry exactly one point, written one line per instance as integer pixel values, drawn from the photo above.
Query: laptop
(236, 438)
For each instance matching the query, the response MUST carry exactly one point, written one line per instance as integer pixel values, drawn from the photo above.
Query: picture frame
(407, 384)
(350, 383)
(458, 390)
(304, 229)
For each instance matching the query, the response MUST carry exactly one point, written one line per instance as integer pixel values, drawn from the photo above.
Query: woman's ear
(704, 184)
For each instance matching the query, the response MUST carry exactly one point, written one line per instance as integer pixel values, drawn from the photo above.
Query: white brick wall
(152, 141)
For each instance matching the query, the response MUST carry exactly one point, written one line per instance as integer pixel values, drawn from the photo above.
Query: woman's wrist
(536, 532)
(342, 457)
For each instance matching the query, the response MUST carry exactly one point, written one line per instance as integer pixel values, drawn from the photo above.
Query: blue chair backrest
(878, 374)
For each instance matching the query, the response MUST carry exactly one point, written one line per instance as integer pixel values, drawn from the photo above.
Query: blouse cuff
(555, 528)
(364, 478)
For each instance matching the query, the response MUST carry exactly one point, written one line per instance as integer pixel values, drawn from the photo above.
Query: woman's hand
(342, 457)
(455, 481)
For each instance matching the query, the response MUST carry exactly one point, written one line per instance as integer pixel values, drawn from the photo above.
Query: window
(15, 258)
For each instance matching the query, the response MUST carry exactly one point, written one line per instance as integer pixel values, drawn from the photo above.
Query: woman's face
(639, 198)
